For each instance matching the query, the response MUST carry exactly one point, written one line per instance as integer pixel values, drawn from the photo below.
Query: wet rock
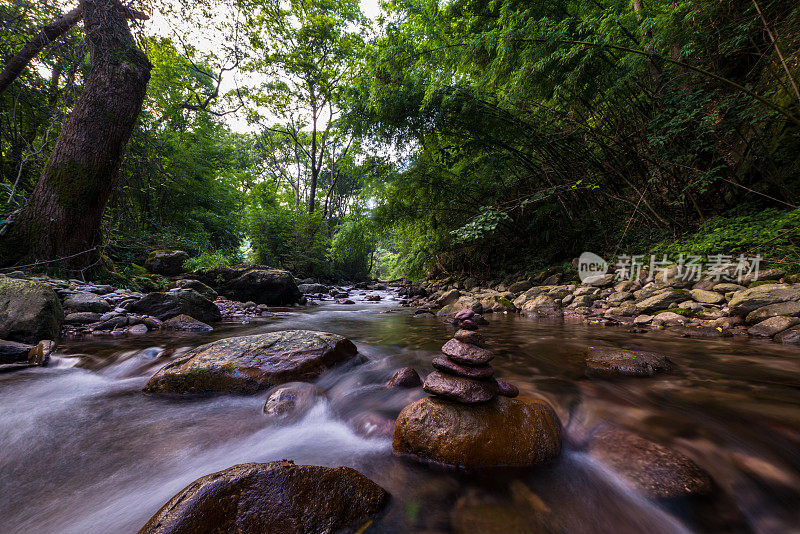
(789, 337)
(118, 321)
(707, 297)
(609, 362)
(182, 302)
(249, 364)
(275, 497)
(510, 432)
(507, 389)
(466, 353)
(372, 426)
(785, 309)
(13, 352)
(773, 325)
(82, 318)
(464, 314)
(185, 323)
(263, 286)
(460, 389)
(467, 371)
(309, 289)
(372, 298)
(406, 377)
(166, 262)
(655, 470)
(40, 354)
(197, 285)
(86, 302)
(29, 311)
(470, 336)
(469, 324)
(751, 299)
(344, 301)
(662, 301)
(290, 402)
(643, 319)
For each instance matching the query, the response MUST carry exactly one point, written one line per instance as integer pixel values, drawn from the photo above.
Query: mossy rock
(760, 283)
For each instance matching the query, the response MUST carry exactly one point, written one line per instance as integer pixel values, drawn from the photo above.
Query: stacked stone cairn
(463, 374)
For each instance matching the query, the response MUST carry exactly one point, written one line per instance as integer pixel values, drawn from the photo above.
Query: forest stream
(85, 451)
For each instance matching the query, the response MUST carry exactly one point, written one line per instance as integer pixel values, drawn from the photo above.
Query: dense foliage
(446, 137)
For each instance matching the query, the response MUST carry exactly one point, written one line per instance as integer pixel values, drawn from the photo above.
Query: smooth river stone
(453, 368)
(466, 353)
(507, 389)
(456, 388)
(471, 336)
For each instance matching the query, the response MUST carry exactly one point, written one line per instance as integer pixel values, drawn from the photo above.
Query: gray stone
(707, 297)
(772, 326)
(290, 402)
(182, 302)
(662, 301)
(785, 309)
(186, 323)
(82, 318)
(609, 363)
(166, 262)
(466, 353)
(744, 302)
(13, 352)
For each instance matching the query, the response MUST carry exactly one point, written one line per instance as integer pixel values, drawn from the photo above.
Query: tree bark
(48, 34)
(63, 216)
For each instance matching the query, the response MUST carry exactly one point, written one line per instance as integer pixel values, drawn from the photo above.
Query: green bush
(206, 260)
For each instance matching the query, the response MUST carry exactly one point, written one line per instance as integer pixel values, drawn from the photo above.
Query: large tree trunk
(62, 218)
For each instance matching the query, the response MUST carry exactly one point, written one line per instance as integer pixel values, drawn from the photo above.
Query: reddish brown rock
(406, 377)
(470, 336)
(466, 353)
(503, 432)
(467, 371)
(463, 390)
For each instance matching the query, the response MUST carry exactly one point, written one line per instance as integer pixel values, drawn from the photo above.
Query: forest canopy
(468, 137)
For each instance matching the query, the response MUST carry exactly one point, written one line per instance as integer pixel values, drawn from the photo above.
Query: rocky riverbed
(622, 429)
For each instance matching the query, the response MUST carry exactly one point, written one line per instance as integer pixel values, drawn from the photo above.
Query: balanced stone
(507, 389)
(466, 353)
(467, 371)
(471, 336)
(459, 389)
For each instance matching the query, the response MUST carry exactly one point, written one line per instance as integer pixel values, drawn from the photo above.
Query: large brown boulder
(502, 432)
(655, 470)
(275, 497)
(29, 311)
(166, 262)
(249, 364)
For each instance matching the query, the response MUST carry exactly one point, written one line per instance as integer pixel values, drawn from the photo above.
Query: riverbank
(767, 308)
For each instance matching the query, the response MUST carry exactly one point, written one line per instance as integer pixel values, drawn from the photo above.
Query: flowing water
(83, 450)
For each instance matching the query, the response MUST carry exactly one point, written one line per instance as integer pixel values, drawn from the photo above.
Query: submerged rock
(290, 402)
(656, 470)
(182, 302)
(186, 323)
(29, 311)
(275, 497)
(248, 364)
(503, 432)
(609, 362)
(406, 377)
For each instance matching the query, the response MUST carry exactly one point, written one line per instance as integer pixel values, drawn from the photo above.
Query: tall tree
(61, 221)
(305, 51)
